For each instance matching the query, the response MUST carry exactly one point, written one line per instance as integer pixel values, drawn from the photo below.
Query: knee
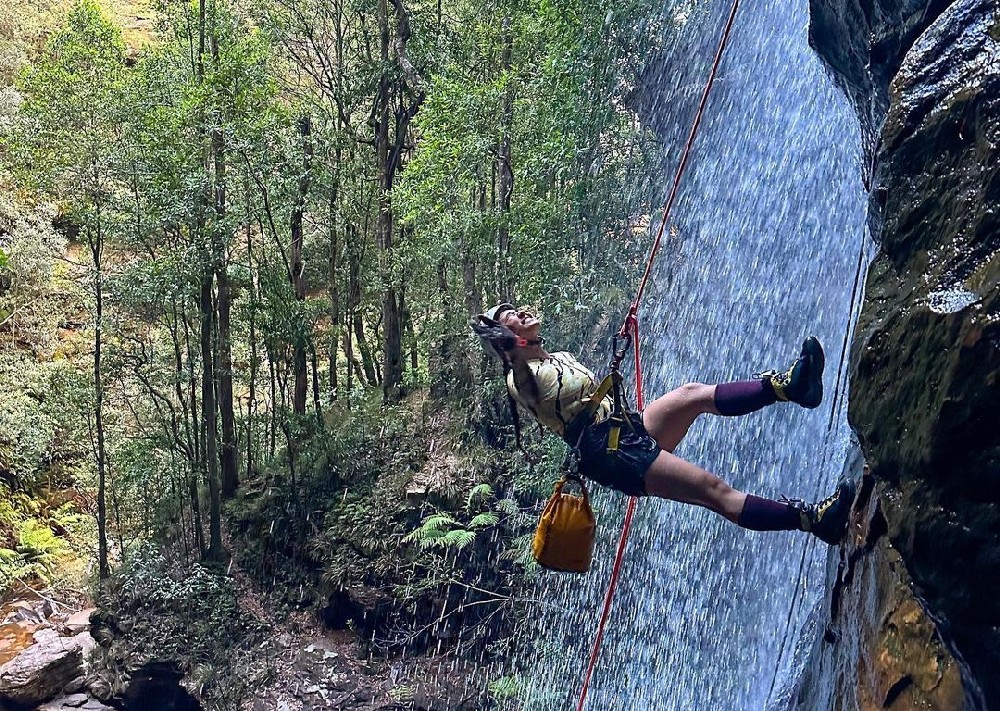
(697, 394)
(692, 389)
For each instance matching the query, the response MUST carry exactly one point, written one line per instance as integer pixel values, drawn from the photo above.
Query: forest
(240, 245)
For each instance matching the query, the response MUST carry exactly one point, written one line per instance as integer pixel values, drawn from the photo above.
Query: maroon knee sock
(768, 515)
(743, 397)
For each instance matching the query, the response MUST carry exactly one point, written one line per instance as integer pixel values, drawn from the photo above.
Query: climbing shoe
(827, 519)
(802, 383)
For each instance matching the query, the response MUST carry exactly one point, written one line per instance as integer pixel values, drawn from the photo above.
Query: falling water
(771, 221)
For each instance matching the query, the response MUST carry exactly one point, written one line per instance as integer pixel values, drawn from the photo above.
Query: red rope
(630, 328)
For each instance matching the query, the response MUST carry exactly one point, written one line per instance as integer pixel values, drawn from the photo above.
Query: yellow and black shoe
(827, 519)
(802, 383)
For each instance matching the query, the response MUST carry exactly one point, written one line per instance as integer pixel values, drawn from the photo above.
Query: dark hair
(495, 336)
(500, 340)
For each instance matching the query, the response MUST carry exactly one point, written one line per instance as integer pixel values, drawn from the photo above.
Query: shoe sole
(812, 349)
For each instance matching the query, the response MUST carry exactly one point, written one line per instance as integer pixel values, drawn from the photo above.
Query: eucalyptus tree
(210, 108)
(71, 123)
(355, 58)
(525, 153)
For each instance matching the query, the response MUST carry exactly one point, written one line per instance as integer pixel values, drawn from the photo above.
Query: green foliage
(35, 292)
(30, 548)
(38, 546)
(43, 426)
(182, 165)
(576, 151)
(72, 104)
(431, 532)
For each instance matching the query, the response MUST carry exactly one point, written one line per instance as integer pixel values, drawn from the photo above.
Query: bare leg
(671, 477)
(669, 417)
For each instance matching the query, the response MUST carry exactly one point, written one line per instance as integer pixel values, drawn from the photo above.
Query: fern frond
(487, 518)
(437, 522)
(479, 491)
(459, 538)
(424, 536)
(507, 506)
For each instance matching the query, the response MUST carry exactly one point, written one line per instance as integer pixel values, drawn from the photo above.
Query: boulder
(79, 621)
(24, 611)
(75, 702)
(41, 671)
(72, 701)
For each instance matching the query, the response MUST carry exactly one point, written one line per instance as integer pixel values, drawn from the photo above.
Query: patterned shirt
(564, 387)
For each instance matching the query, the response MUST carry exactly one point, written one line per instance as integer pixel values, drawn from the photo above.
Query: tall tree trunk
(392, 365)
(229, 451)
(254, 354)
(474, 359)
(505, 178)
(334, 283)
(199, 455)
(273, 376)
(297, 266)
(178, 378)
(206, 303)
(353, 306)
(317, 404)
(96, 240)
(224, 372)
(209, 420)
(407, 327)
(367, 360)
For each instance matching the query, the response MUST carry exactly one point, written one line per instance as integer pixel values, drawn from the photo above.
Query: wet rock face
(925, 389)
(880, 650)
(863, 43)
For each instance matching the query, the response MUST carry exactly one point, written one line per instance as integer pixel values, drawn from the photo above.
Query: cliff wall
(924, 76)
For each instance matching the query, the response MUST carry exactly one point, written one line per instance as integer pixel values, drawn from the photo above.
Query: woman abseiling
(556, 387)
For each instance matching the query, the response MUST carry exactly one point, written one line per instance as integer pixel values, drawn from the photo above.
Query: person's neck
(532, 352)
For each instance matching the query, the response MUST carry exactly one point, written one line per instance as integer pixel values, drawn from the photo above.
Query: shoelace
(778, 378)
(804, 508)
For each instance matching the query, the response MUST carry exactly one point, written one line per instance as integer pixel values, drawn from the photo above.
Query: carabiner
(619, 347)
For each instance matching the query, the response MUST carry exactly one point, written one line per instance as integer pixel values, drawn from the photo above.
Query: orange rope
(630, 328)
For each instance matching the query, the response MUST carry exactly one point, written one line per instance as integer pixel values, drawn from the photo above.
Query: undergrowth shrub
(37, 542)
(359, 541)
(44, 437)
(155, 609)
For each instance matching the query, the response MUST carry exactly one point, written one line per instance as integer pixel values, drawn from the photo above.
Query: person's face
(522, 322)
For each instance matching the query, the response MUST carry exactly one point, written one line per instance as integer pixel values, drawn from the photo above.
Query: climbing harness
(619, 413)
(629, 334)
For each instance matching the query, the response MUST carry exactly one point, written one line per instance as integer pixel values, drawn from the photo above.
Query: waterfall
(771, 220)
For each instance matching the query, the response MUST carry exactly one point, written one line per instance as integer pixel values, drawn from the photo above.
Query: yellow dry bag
(564, 539)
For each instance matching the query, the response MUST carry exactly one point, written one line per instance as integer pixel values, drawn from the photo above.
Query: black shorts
(623, 470)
